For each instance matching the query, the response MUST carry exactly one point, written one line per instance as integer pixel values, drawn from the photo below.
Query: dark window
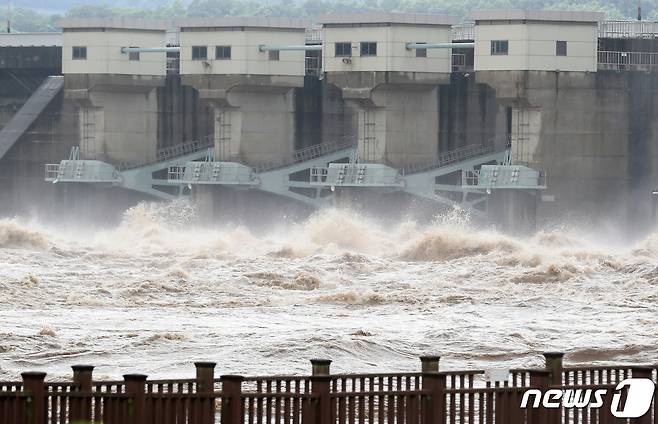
(560, 48)
(199, 52)
(421, 52)
(343, 49)
(273, 55)
(133, 55)
(79, 53)
(499, 47)
(223, 52)
(368, 49)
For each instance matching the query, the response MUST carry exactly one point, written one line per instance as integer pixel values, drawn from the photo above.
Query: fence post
(135, 386)
(435, 383)
(205, 384)
(33, 384)
(645, 372)
(554, 367)
(205, 377)
(321, 366)
(321, 387)
(232, 399)
(539, 379)
(80, 409)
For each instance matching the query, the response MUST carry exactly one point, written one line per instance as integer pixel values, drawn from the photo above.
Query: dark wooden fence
(430, 396)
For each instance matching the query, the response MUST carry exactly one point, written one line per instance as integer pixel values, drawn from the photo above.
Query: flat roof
(31, 39)
(114, 23)
(537, 15)
(386, 18)
(243, 21)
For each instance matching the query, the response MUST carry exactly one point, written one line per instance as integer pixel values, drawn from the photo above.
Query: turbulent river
(156, 293)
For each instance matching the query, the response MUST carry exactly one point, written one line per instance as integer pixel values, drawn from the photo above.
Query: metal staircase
(29, 112)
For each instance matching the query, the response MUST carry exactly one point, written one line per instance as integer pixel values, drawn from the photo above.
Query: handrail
(307, 153)
(170, 152)
(628, 29)
(627, 61)
(450, 157)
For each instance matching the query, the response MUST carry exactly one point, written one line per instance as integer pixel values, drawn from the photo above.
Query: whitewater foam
(159, 290)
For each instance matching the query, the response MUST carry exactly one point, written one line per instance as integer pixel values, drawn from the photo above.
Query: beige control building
(93, 46)
(230, 46)
(378, 42)
(532, 40)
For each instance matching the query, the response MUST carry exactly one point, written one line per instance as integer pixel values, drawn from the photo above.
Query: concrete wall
(181, 116)
(532, 46)
(593, 134)
(392, 54)
(104, 51)
(402, 128)
(123, 126)
(117, 116)
(259, 127)
(469, 114)
(246, 59)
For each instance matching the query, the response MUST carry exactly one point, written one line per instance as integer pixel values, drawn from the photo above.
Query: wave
(14, 234)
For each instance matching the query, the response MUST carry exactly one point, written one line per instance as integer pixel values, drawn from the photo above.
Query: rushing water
(156, 293)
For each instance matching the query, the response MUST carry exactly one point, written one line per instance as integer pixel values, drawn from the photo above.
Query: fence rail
(307, 153)
(450, 157)
(171, 152)
(628, 29)
(431, 396)
(627, 61)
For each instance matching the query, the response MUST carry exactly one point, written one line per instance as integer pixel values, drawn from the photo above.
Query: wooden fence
(430, 396)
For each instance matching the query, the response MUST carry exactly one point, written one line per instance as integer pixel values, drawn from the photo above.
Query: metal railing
(313, 35)
(627, 61)
(312, 66)
(449, 158)
(463, 31)
(171, 152)
(51, 171)
(628, 29)
(459, 63)
(173, 66)
(307, 153)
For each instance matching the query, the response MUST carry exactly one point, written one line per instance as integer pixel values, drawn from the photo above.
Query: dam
(518, 117)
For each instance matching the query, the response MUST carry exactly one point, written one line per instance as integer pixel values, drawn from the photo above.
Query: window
(560, 48)
(421, 52)
(222, 52)
(499, 47)
(79, 53)
(199, 52)
(273, 55)
(368, 49)
(343, 49)
(133, 55)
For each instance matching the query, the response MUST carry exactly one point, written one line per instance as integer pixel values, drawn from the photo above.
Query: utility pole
(8, 16)
(639, 10)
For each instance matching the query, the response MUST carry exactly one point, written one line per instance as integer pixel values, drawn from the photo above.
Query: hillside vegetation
(24, 19)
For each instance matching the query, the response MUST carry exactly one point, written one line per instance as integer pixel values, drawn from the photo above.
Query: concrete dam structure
(520, 117)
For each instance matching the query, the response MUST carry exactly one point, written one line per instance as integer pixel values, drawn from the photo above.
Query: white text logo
(639, 393)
